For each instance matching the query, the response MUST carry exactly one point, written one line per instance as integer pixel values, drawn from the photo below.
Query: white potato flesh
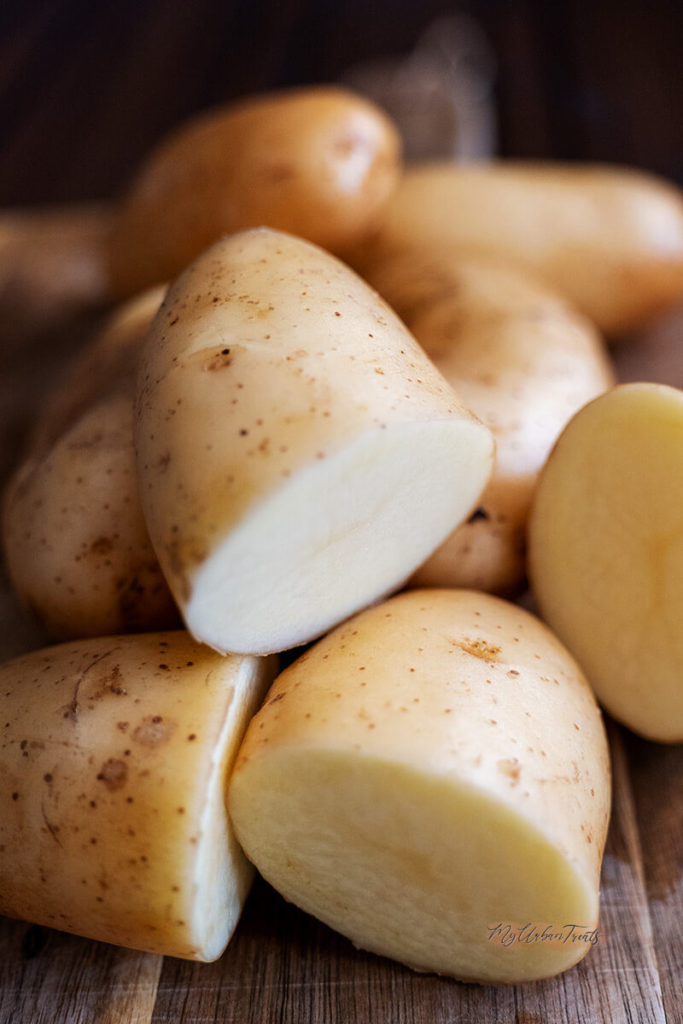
(114, 757)
(606, 552)
(298, 454)
(524, 362)
(432, 769)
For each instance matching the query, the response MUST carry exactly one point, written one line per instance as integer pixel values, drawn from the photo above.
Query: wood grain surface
(84, 90)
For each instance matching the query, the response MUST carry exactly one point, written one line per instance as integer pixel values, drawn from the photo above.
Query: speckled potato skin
(609, 239)
(454, 685)
(106, 363)
(111, 751)
(524, 362)
(319, 162)
(75, 539)
(241, 386)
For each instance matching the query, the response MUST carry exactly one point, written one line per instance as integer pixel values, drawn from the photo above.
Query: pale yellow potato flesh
(524, 362)
(609, 239)
(432, 779)
(319, 162)
(299, 456)
(114, 761)
(606, 552)
(75, 540)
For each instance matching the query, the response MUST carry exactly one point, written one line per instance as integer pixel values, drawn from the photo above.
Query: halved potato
(115, 756)
(432, 780)
(299, 455)
(606, 552)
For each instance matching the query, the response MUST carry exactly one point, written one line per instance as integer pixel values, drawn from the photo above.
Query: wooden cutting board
(283, 966)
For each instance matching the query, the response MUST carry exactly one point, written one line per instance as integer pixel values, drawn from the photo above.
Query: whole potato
(609, 239)
(76, 545)
(319, 162)
(523, 361)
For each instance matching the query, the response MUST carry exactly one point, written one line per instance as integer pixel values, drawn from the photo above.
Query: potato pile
(265, 448)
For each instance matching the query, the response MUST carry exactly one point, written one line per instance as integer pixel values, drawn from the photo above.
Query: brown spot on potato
(479, 647)
(511, 767)
(114, 774)
(219, 361)
(153, 730)
(102, 546)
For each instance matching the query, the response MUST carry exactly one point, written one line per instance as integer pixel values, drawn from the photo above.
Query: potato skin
(524, 362)
(318, 162)
(113, 756)
(609, 239)
(76, 544)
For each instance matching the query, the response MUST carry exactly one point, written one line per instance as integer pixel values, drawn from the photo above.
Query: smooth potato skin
(317, 162)
(75, 539)
(609, 239)
(524, 362)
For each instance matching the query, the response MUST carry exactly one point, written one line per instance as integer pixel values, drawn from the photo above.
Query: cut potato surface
(429, 779)
(609, 239)
(114, 759)
(524, 362)
(606, 552)
(298, 454)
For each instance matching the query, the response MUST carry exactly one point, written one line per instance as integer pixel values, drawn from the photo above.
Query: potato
(76, 545)
(104, 364)
(608, 239)
(115, 756)
(53, 264)
(432, 780)
(319, 162)
(523, 362)
(298, 454)
(606, 552)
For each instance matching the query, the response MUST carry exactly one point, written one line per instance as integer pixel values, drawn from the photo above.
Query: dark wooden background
(86, 86)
